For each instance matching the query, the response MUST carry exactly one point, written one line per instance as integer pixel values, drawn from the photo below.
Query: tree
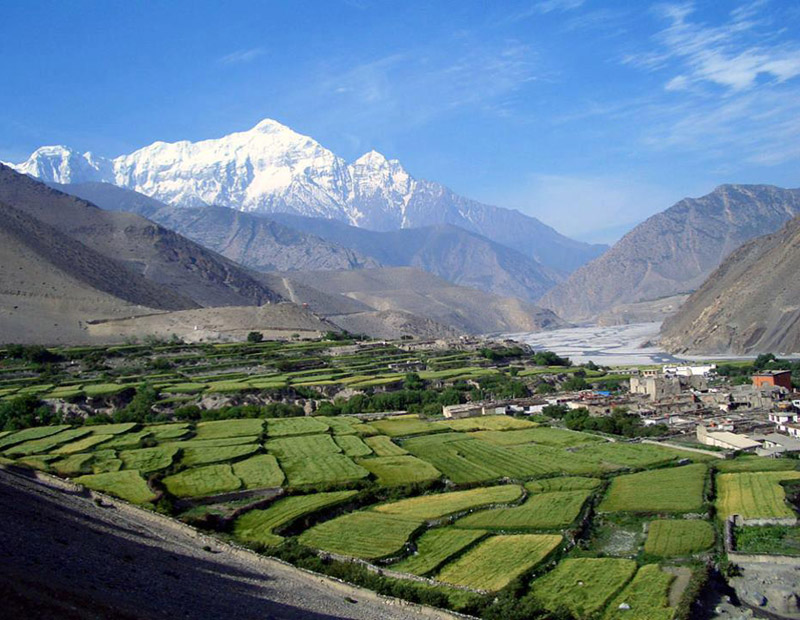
(574, 384)
(255, 337)
(545, 388)
(413, 382)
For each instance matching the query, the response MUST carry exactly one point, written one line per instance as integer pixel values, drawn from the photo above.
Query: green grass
(259, 472)
(229, 428)
(768, 539)
(46, 444)
(495, 562)
(568, 483)
(367, 535)
(439, 505)
(647, 595)
(193, 456)
(87, 443)
(41, 461)
(128, 440)
(678, 537)
(325, 468)
(542, 435)
(435, 547)
(200, 481)
(30, 434)
(163, 432)
(542, 511)
(213, 443)
(754, 463)
(283, 427)
(634, 455)
(754, 495)
(74, 464)
(382, 445)
(398, 470)
(401, 426)
(112, 429)
(342, 425)
(105, 461)
(259, 526)
(674, 489)
(129, 485)
(148, 460)
(583, 586)
(352, 446)
(488, 423)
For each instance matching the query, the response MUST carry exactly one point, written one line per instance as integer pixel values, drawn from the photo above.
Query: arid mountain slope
(750, 304)
(410, 290)
(255, 242)
(457, 255)
(145, 248)
(674, 251)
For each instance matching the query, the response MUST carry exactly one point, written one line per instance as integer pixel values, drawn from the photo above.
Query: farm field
(541, 511)
(399, 470)
(584, 586)
(498, 560)
(442, 504)
(754, 495)
(672, 489)
(436, 546)
(769, 539)
(670, 538)
(647, 596)
(128, 485)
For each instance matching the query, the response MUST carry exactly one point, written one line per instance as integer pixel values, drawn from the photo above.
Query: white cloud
(241, 56)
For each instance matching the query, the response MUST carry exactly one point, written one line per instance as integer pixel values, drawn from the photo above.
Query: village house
(726, 440)
(773, 378)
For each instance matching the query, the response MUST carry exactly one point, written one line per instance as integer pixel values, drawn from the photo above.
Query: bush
(25, 411)
(255, 337)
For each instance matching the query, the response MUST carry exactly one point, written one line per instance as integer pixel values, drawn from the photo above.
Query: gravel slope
(63, 555)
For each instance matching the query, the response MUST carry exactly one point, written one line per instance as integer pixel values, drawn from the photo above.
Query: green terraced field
(164, 432)
(438, 505)
(754, 463)
(382, 445)
(258, 526)
(542, 511)
(495, 562)
(401, 426)
(105, 461)
(366, 534)
(305, 446)
(200, 481)
(584, 586)
(229, 428)
(325, 468)
(397, 470)
(435, 547)
(46, 444)
(754, 495)
(128, 485)
(543, 435)
(282, 427)
(73, 465)
(194, 456)
(647, 595)
(259, 472)
(674, 489)
(352, 446)
(87, 443)
(567, 483)
(678, 537)
(112, 429)
(147, 460)
(488, 423)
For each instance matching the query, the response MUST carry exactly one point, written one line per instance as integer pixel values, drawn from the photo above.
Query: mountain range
(750, 304)
(272, 169)
(673, 252)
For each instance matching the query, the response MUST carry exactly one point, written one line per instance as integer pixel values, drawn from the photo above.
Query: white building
(690, 371)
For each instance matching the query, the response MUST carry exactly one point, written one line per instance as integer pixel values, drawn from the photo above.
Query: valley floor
(65, 555)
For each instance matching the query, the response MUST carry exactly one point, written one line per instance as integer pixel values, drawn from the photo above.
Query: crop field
(647, 596)
(401, 426)
(308, 446)
(754, 495)
(565, 483)
(498, 560)
(542, 511)
(325, 468)
(754, 463)
(352, 446)
(488, 423)
(45, 444)
(435, 547)
(397, 470)
(200, 481)
(439, 505)
(584, 586)
(73, 465)
(671, 538)
(282, 427)
(365, 534)
(674, 489)
(229, 428)
(259, 525)
(259, 472)
(127, 484)
(769, 539)
(382, 445)
(86, 443)
(197, 455)
(148, 460)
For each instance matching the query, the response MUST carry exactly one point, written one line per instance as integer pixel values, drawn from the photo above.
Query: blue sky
(588, 114)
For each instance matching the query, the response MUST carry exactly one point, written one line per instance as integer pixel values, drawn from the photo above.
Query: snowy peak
(60, 164)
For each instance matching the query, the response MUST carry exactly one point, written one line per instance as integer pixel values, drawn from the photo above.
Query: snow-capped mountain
(271, 168)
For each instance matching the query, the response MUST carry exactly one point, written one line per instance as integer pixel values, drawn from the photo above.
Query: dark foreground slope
(751, 304)
(674, 251)
(62, 555)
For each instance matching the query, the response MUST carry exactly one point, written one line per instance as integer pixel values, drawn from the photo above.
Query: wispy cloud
(541, 7)
(242, 56)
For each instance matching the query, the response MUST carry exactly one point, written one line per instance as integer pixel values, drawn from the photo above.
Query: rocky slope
(673, 251)
(749, 305)
(450, 252)
(255, 242)
(161, 256)
(271, 168)
(415, 292)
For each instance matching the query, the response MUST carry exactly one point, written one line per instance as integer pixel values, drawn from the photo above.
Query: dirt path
(682, 577)
(63, 555)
